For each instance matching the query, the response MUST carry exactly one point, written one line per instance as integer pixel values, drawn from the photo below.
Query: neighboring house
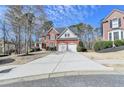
(64, 39)
(8, 47)
(113, 26)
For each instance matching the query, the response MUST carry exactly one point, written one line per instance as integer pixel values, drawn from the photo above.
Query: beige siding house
(8, 46)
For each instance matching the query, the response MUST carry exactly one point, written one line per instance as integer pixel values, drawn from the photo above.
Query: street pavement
(74, 81)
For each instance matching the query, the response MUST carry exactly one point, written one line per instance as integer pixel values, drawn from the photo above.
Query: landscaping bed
(109, 46)
(113, 49)
(102, 56)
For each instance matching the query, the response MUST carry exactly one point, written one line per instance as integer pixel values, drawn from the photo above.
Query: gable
(114, 14)
(67, 34)
(52, 31)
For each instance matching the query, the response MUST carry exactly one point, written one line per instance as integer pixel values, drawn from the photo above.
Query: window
(110, 36)
(115, 23)
(55, 36)
(121, 35)
(52, 37)
(67, 35)
(116, 35)
(49, 37)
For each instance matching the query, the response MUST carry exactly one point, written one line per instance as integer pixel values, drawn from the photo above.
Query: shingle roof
(60, 30)
(74, 30)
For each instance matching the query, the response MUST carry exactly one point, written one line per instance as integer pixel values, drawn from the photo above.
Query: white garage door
(72, 47)
(62, 47)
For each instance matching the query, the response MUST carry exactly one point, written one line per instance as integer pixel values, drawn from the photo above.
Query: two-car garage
(68, 41)
(62, 47)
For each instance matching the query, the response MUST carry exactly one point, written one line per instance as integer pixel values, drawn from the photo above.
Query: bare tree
(14, 15)
(26, 21)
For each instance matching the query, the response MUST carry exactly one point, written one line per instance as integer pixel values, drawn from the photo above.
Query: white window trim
(113, 34)
(116, 24)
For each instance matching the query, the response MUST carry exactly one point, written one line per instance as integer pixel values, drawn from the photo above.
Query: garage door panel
(72, 47)
(62, 47)
(67, 47)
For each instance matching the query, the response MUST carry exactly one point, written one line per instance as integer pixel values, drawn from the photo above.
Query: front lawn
(22, 59)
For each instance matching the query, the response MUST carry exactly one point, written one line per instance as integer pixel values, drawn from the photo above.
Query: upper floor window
(115, 23)
(52, 37)
(67, 35)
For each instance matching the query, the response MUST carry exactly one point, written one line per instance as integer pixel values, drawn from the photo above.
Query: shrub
(97, 46)
(107, 44)
(47, 48)
(102, 45)
(32, 50)
(119, 42)
(35, 49)
(51, 48)
(81, 48)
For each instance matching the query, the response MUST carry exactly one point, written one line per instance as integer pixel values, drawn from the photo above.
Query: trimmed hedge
(102, 45)
(119, 43)
(81, 48)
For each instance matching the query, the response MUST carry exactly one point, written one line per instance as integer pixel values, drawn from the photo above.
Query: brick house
(64, 39)
(113, 25)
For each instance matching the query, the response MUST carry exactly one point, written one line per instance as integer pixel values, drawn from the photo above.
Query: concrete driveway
(55, 63)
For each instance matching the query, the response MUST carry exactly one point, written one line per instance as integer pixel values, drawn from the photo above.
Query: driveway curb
(52, 75)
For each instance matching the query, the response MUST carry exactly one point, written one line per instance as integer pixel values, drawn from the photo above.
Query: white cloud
(68, 13)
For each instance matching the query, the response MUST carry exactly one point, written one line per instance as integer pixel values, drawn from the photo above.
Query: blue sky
(68, 15)
(63, 16)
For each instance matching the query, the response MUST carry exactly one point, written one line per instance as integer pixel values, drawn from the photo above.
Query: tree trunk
(30, 40)
(25, 41)
(19, 42)
(4, 37)
(27, 45)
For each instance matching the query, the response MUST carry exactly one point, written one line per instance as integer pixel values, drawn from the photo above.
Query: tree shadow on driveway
(5, 61)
